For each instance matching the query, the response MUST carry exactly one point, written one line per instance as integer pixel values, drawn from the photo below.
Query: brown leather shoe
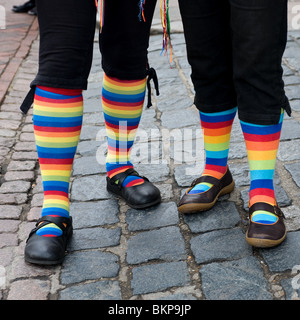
(192, 203)
(266, 235)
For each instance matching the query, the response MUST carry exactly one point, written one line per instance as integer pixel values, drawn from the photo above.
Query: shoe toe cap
(44, 250)
(143, 194)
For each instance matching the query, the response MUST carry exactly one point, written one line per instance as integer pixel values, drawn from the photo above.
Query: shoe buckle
(278, 212)
(195, 181)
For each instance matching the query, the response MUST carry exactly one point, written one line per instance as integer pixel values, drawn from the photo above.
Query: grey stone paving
(121, 253)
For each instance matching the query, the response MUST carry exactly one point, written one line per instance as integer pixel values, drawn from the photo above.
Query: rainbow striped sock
(57, 120)
(216, 131)
(122, 102)
(262, 142)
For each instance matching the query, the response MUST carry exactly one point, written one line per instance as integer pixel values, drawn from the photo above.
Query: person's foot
(33, 12)
(265, 235)
(139, 196)
(49, 250)
(195, 202)
(24, 7)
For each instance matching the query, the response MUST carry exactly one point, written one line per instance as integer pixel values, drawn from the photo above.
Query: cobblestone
(96, 191)
(15, 187)
(118, 253)
(219, 245)
(29, 289)
(159, 277)
(21, 165)
(160, 216)
(92, 216)
(293, 169)
(10, 212)
(237, 280)
(93, 238)
(284, 257)
(100, 290)
(223, 215)
(89, 265)
(163, 244)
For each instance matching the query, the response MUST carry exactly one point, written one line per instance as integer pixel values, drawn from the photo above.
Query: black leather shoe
(138, 197)
(48, 250)
(24, 7)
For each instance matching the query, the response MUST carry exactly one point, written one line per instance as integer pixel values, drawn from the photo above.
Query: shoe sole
(144, 206)
(139, 206)
(264, 243)
(116, 192)
(198, 207)
(44, 263)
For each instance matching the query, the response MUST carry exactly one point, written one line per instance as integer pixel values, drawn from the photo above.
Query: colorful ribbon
(165, 20)
(141, 14)
(102, 5)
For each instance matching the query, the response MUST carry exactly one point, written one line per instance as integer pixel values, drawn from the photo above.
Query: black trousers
(235, 50)
(67, 31)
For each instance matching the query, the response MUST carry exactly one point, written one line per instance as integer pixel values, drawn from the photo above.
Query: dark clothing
(124, 39)
(67, 31)
(235, 49)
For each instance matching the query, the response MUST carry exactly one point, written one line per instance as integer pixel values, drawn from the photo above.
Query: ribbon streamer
(141, 14)
(101, 12)
(165, 20)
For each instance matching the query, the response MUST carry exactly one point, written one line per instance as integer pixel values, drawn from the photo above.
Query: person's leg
(57, 120)
(262, 143)
(208, 39)
(124, 39)
(259, 39)
(122, 103)
(67, 31)
(124, 61)
(266, 225)
(259, 35)
(207, 33)
(216, 128)
(66, 42)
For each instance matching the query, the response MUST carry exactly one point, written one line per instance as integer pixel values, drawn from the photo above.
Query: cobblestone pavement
(17, 31)
(120, 253)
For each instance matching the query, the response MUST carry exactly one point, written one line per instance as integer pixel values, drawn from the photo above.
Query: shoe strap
(120, 177)
(266, 207)
(209, 179)
(62, 222)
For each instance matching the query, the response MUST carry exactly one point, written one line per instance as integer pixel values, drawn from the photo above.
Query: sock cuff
(124, 82)
(65, 92)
